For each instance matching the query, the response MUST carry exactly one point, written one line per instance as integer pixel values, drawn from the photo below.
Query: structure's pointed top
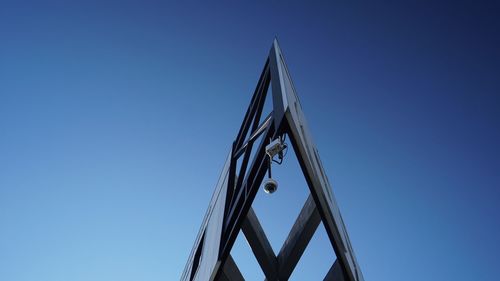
(275, 41)
(276, 45)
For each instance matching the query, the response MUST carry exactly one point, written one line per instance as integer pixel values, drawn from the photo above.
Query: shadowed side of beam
(302, 231)
(260, 245)
(335, 273)
(230, 272)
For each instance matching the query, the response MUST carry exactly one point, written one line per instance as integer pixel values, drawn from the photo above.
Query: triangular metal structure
(230, 208)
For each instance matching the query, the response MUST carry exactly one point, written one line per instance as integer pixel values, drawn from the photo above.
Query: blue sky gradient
(116, 118)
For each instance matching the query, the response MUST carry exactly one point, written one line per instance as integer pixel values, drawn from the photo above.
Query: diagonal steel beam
(258, 99)
(244, 197)
(260, 245)
(335, 273)
(230, 271)
(302, 231)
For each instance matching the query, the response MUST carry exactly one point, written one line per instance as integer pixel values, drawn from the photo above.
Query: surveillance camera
(270, 186)
(275, 147)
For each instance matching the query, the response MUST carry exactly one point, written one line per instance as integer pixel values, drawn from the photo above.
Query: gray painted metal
(260, 245)
(295, 244)
(230, 272)
(230, 207)
(212, 222)
(335, 273)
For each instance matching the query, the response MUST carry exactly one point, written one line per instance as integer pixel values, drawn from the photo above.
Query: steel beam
(230, 271)
(295, 244)
(335, 273)
(261, 247)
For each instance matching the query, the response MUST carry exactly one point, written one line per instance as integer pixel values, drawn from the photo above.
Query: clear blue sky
(116, 118)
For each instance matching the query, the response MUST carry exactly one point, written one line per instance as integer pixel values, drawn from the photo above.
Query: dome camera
(270, 186)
